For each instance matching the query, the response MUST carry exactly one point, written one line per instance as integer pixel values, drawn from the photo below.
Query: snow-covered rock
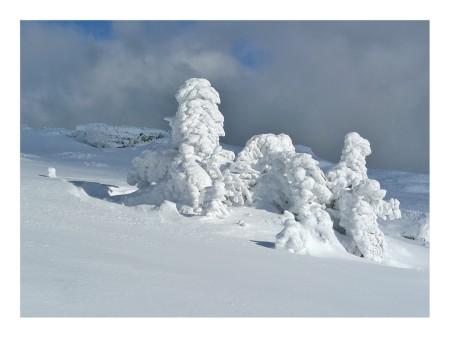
(102, 135)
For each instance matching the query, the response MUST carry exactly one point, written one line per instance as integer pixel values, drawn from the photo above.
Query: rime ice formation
(196, 129)
(351, 169)
(152, 166)
(293, 236)
(303, 192)
(357, 201)
(198, 123)
(201, 178)
(359, 220)
(183, 172)
(372, 193)
(273, 172)
(260, 148)
(256, 158)
(215, 200)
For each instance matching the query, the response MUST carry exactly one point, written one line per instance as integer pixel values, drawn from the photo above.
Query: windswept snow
(84, 253)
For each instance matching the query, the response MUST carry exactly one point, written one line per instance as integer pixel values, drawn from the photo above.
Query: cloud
(313, 80)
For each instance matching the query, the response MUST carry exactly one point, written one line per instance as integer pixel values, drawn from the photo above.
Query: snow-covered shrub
(293, 236)
(372, 193)
(270, 169)
(357, 201)
(101, 135)
(302, 191)
(311, 222)
(214, 204)
(259, 156)
(164, 174)
(237, 191)
(187, 183)
(151, 166)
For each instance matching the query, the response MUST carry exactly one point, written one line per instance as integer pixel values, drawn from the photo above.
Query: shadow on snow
(269, 245)
(99, 190)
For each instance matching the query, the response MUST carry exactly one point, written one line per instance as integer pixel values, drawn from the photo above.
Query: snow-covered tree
(239, 177)
(194, 172)
(303, 192)
(260, 155)
(183, 172)
(273, 172)
(198, 122)
(304, 182)
(359, 220)
(351, 169)
(357, 201)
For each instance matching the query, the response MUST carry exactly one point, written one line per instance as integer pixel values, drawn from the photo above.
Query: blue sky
(313, 80)
(101, 29)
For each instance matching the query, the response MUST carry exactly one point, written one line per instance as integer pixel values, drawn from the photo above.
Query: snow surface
(83, 253)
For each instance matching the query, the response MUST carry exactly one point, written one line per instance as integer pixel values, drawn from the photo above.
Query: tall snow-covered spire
(198, 123)
(351, 169)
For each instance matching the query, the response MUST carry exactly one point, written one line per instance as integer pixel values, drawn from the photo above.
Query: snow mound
(102, 135)
(51, 172)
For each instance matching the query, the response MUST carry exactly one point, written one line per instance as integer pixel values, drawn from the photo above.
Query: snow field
(82, 255)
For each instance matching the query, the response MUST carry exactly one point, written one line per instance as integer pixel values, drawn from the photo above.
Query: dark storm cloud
(313, 80)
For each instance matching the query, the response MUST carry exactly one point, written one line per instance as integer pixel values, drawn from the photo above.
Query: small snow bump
(241, 223)
(51, 172)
